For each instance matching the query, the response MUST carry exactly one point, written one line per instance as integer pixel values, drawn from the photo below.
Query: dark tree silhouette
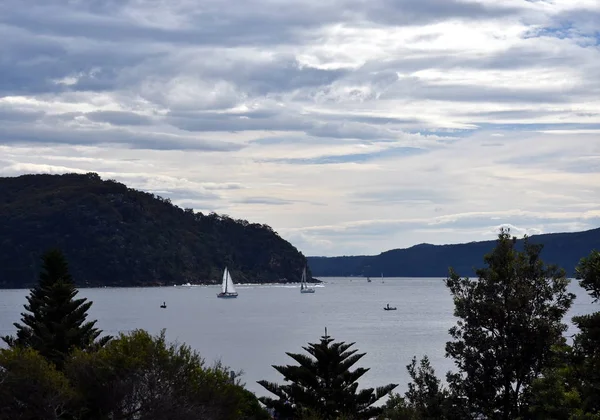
(323, 385)
(55, 322)
(510, 319)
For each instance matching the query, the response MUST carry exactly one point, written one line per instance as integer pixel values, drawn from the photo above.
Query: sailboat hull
(307, 291)
(227, 295)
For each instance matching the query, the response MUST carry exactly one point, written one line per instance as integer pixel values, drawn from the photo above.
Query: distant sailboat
(368, 279)
(303, 286)
(227, 288)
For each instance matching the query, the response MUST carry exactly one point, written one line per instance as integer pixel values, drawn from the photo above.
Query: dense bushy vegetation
(118, 236)
(512, 360)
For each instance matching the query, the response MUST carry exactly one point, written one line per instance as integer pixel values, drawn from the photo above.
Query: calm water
(255, 330)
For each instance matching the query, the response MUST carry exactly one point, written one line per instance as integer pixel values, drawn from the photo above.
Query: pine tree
(55, 322)
(323, 385)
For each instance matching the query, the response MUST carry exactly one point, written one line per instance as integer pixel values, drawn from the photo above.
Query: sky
(351, 127)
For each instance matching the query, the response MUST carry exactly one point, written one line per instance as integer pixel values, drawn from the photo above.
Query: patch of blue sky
(573, 27)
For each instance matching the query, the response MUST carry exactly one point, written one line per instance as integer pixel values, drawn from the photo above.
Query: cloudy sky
(350, 127)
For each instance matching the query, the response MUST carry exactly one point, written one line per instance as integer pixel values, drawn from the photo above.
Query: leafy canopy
(509, 320)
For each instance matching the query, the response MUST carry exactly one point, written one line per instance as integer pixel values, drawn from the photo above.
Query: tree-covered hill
(113, 235)
(426, 260)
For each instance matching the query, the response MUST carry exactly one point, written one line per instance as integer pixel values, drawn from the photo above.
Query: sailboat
(303, 286)
(227, 288)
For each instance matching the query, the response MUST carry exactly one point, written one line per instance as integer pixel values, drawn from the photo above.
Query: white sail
(224, 283)
(229, 284)
(304, 285)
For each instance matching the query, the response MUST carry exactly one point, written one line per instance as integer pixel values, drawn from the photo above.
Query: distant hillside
(117, 236)
(426, 260)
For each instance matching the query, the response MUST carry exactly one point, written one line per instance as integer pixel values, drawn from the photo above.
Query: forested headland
(113, 235)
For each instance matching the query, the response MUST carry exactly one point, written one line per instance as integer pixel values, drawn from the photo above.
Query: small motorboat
(164, 305)
(389, 308)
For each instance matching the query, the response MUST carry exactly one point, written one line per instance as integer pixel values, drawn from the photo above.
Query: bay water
(255, 330)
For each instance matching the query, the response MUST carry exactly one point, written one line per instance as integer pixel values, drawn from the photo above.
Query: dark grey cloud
(410, 12)
(210, 23)
(213, 121)
(35, 63)
(155, 141)
(118, 118)
(315, 125)
(12, 115)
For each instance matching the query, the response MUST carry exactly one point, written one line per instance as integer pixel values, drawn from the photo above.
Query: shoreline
(313, 282)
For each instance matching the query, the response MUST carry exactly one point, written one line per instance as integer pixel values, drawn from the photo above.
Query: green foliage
(323, 386)
(554, 396)
(426, 398)
(509, 321)
(136, 376)
(141, 376)
(118, 236)
(55, 322)
(30, 387)
(589, 272)
(425, 393)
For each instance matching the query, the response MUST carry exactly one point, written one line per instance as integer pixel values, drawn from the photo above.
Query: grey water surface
(255, 330)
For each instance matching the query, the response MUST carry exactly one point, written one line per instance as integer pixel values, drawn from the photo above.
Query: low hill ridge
(427, 260)
(113, 235)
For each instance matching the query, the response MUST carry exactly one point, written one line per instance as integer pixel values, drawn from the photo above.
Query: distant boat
(227, 288)
(368, 279)
(389, 308)
(164, 305)
(303, 286)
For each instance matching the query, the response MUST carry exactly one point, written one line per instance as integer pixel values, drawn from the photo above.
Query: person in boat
(388, 306)
(164, 305)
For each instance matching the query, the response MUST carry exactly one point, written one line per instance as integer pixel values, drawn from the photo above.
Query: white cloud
(350, 127)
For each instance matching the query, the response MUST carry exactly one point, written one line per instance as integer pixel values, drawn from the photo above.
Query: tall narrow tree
(55, 322)
(509, 321)
(323, 385)
(586, 345)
